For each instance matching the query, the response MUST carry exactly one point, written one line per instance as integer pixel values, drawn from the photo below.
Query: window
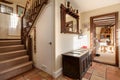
(5, 9)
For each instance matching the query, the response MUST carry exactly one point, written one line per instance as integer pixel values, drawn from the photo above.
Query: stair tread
(12, 52)
(16, 67)
(26, 56)
(11, 46)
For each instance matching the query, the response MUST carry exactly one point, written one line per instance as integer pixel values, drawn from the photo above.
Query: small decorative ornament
(77, 11)
(68, 4)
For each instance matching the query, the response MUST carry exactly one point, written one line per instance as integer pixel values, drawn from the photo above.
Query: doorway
(103, 38)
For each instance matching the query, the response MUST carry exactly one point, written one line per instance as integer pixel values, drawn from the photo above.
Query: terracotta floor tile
(20, 77)
(38, 77)
(113, 76)
(17, 79)
(94, 77)
(31, 73)
(96, 72)
(50, 78)
(43, 74)
(90, 70)
(87, 75)
(112, 68)
(31, 76)
(100, 69)
(99, 73)
(62, 77)
(84, 79)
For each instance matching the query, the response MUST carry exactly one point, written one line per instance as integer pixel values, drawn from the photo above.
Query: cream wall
(85, 16)
(63, 42)
(43, 58)
(48, 29)
(5, 23)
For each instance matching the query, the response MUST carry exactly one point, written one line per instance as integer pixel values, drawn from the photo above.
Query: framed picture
(6, 9)
(20, 10)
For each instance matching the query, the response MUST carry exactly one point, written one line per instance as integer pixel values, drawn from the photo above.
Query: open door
(113, 20)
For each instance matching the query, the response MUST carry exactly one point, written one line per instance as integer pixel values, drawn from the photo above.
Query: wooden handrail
(30, 15)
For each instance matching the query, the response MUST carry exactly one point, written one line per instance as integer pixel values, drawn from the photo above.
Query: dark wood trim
(107, 14)
(104, 19)
(104, 63)
(10, 39)
(91, 32)
(116, 45)
(92, 29)
(29, 48)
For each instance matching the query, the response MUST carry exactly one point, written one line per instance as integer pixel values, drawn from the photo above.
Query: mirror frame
(64, 11)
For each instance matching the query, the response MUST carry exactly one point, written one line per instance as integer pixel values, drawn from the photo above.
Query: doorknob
(50, 43)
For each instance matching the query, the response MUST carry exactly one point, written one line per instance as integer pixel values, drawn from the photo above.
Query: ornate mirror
(69, 20)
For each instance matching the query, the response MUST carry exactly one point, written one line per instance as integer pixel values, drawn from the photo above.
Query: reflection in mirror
(71, 24)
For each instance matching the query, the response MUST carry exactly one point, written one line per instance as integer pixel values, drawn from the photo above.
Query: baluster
(29, 49)
(46, 1)
(39, 2)
(32, 8)
(35, 6)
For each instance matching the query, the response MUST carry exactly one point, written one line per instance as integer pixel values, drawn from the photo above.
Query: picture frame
(20, 10)
(6, 9)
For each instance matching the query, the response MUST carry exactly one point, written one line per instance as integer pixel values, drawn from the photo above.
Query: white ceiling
(86, 5)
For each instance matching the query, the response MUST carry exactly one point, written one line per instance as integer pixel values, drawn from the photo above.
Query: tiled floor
(96, 72)
(106, 57)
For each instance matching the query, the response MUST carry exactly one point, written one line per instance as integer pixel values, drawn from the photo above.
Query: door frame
(92, 35)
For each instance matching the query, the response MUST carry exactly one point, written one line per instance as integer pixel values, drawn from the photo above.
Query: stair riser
(10, 64)
(11, 56)
(7, 49)
(15, 72)
(10, 43)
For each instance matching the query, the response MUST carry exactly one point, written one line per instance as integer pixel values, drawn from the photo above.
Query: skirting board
(119, 64)
(57, 73)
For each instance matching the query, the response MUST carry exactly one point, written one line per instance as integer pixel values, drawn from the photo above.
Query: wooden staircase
(16, 55)
(13, 59)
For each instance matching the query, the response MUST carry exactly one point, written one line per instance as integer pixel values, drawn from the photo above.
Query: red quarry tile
(20, 77)
(112, 68)
(87, 75)
(96, 72)
(38, 77)
(99, 73)
(90, 70)
(94, 77)
(113, 76)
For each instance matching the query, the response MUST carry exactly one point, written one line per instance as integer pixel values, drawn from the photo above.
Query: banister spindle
(39, 2)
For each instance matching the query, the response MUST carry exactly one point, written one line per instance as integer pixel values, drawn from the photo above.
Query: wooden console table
(75, 64)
